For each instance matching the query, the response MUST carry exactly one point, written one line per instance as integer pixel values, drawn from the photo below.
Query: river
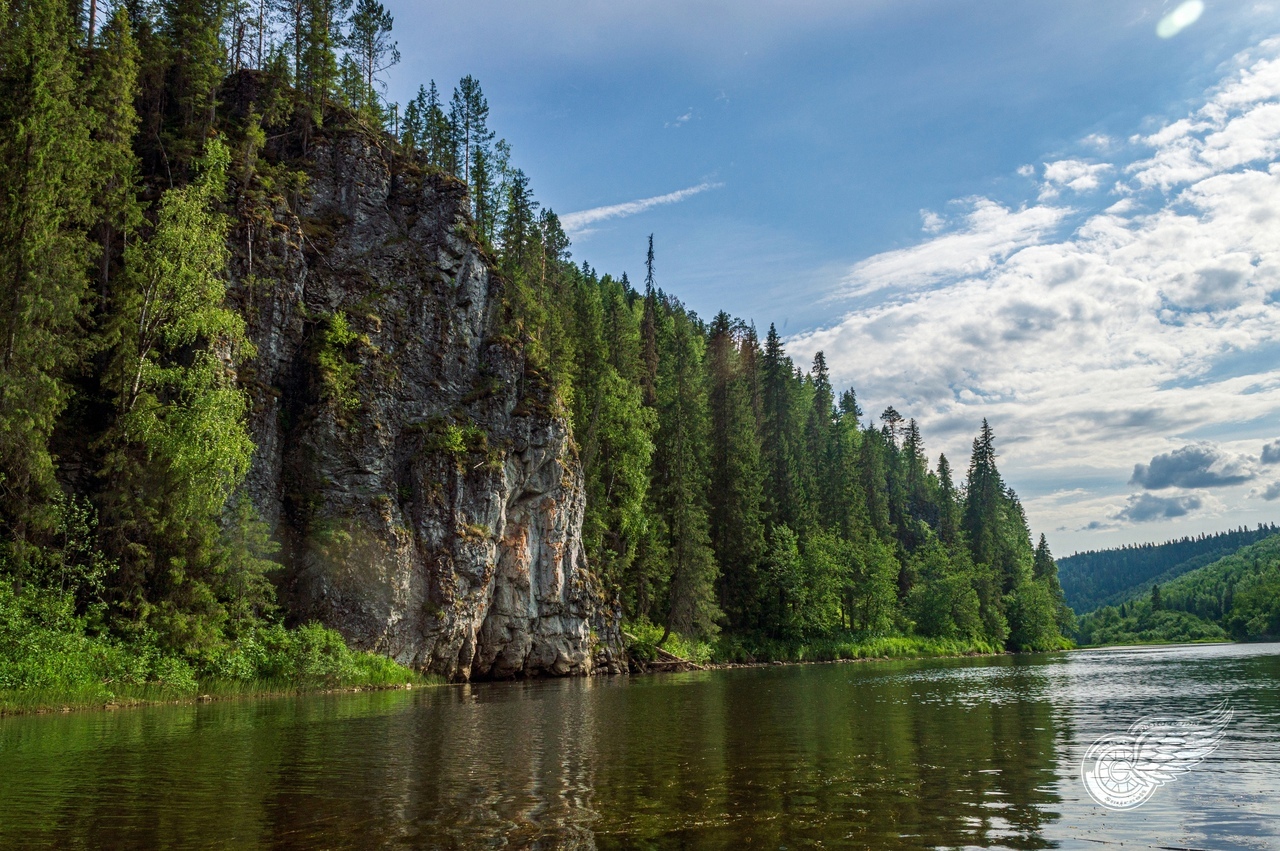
(911, 754)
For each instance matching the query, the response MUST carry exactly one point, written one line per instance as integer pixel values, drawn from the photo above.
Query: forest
(1099, 578)
(1236, 597)
(735, 501)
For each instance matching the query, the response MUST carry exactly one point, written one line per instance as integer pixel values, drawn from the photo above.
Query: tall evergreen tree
(468, 118)
(778, 434)
(45, 164)
(736, 477)
(680, 477)
(371, 44)
(113, 87)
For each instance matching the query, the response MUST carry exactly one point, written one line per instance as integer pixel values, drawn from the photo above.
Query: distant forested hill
(1099, 578)
(1237, 596)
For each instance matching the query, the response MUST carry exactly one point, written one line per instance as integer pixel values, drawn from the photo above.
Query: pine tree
(649, 334)
(440, 137)
(413, 132)
(820, 439)
(191, 31)
(370, 42)
(948, 504)
(983, 495)
(468, 118)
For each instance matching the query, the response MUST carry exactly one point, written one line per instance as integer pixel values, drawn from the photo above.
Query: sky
(1063, 217)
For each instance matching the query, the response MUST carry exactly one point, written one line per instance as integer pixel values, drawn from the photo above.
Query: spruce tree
(113, 87)
(46, 165)
(778, 434)
(736, 477)
(679, 485)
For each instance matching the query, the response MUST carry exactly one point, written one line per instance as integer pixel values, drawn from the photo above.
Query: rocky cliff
(424, 487)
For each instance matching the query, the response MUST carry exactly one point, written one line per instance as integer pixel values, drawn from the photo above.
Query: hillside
(1097, 578)
(1237, 597)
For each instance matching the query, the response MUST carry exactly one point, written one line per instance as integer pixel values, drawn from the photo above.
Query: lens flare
(1180, 18)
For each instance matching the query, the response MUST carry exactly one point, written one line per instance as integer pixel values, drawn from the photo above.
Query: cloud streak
(577, 223)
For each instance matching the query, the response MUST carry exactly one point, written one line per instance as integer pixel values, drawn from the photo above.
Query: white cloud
(931, 222)
(1076, 175)
(1141, 330)
(990, 233)
(578, 224)
(681, 119)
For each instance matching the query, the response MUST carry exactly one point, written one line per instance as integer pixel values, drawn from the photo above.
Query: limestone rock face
(426, 492)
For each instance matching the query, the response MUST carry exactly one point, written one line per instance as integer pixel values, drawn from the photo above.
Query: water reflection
(952, 753)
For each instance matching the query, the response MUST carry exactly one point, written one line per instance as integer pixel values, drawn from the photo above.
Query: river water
(912, 754)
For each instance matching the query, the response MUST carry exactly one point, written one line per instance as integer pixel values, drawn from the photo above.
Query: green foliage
(46, 171)
(179, 447)
(1237, 596)
(338, 369)
(728, 492)
(749, 648)
(51, 657)
(1110, 577)
(644, 639)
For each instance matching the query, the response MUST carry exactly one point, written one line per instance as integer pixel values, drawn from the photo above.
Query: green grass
(50, 660)
(828, 649)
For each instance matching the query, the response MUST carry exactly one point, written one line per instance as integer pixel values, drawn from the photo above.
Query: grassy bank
(742, 649)
(643, 639)
(51, 659)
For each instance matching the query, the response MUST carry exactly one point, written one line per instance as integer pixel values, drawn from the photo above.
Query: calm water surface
(950, 753)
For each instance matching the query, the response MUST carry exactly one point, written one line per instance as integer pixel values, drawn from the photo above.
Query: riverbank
(52, 659)
(49, 701)
(646, 646)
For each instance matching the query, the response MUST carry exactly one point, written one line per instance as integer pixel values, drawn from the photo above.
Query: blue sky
(976, 207)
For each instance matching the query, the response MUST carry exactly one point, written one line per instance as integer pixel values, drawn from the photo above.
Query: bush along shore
(649, 651)
(54, 660)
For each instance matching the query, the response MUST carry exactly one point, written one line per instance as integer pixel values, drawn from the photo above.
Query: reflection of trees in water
(506, 764)
(876, 755)
(840, 753)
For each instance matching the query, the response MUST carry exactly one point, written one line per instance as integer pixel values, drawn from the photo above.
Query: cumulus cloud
(1271, 453)
(1092, 335)
(1076, 175)
(577, 223)
(1196, 466)
(931, 222)
(1270, 492)
(1145, 507)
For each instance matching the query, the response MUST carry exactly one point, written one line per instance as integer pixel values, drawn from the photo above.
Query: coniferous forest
(735, 500)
